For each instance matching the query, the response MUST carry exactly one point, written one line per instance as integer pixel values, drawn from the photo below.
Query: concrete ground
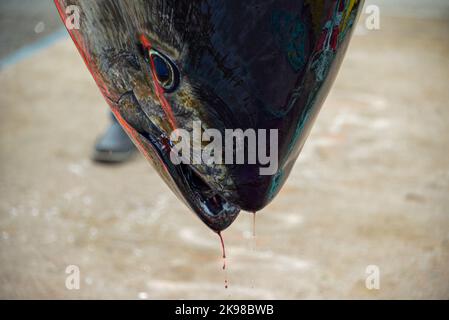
(24, 22)
(370, 188)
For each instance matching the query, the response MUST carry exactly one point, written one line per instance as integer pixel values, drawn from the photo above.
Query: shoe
(114, 146)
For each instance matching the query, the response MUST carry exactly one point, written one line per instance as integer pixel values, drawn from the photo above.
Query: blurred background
(371, 186)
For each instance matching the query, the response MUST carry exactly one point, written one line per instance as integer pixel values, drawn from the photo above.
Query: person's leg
(114, 145)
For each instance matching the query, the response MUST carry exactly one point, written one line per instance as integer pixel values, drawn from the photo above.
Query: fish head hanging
(218, 95)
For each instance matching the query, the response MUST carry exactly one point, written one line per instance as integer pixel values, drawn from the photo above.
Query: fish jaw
(184, 180)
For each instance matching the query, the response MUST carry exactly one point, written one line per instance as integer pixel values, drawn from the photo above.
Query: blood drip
(224, 259)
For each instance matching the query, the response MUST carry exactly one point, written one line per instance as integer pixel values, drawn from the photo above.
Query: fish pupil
(162, 70)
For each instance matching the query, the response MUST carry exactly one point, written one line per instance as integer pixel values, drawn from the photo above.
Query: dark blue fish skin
(243, 64)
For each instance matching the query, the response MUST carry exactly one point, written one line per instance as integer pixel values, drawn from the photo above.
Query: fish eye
(165, 69)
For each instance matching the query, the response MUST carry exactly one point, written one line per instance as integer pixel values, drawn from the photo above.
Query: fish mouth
(185, 180)
(212, 208)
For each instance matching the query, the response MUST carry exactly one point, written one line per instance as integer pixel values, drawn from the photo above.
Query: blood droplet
(224, 259)
(223, 250)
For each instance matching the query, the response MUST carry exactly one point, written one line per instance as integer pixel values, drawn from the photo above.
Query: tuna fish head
(164, 65)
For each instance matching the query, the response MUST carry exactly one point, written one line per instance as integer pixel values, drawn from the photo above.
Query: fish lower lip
(218, 213)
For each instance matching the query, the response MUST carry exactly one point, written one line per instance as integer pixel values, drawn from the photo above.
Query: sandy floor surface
(371, 187)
